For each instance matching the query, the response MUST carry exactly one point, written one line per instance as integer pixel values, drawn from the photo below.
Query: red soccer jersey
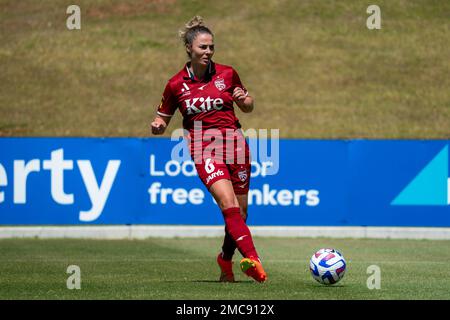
(209, 100)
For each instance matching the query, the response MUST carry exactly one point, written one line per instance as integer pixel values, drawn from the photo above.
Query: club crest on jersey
(220, 83)
(242, 175)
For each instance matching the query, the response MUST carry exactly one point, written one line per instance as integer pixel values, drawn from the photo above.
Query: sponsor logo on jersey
(199, 105)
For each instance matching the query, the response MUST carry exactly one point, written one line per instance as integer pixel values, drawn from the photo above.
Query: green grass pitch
(186, 269)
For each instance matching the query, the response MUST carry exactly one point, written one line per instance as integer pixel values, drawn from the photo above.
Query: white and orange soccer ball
(327, 266)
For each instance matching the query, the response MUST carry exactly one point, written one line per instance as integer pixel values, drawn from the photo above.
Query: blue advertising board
(73, 181)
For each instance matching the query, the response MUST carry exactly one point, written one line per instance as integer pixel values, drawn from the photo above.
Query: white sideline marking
(167, 231)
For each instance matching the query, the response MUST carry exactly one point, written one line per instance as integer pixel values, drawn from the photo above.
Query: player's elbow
(247, 109)
(248, 105)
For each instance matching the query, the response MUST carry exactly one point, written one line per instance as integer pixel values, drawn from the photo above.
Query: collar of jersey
(189, 75)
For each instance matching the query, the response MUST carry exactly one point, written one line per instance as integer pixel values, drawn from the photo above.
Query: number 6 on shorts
(209, 166)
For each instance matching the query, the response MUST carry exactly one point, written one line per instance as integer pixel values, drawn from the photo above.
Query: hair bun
(192, 28)
(196, 21)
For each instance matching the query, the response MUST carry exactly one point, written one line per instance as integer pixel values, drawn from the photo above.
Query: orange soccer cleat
(253, 268)
(226, 268)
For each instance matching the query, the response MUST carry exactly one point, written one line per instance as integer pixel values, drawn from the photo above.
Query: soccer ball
(327, 266)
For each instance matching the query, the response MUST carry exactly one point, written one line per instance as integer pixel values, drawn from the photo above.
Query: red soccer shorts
(229, 159)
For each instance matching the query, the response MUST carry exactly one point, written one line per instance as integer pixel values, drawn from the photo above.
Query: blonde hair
(191, 29)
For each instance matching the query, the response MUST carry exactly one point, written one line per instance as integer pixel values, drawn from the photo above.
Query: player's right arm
(160, 124)
(166, 109)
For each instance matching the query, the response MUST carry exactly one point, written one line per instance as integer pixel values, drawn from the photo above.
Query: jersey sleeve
(167, 107)
(236, 82)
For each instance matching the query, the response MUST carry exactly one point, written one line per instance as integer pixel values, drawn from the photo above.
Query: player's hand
(158, 126)
(239, 95)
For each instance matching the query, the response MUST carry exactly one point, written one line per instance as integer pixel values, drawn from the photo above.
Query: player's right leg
(223, 193)
(252, 268)
(216, 177)
(229, 245)
(225, 258)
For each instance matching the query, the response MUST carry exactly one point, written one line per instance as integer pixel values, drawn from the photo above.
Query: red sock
(239, 232)
(229, 246)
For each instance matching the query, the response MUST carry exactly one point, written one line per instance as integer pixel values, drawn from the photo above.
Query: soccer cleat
(226, 268)
(253, 268)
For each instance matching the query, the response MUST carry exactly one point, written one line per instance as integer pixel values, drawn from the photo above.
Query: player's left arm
(243, 100)
(240, 94)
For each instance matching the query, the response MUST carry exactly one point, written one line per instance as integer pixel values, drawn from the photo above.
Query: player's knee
(227, 203)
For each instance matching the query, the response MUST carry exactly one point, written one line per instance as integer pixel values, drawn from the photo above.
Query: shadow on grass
(217, 281)
(206, 281)
(320, 286)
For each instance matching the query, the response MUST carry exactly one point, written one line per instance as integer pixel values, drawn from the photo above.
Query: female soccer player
(204, 93)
